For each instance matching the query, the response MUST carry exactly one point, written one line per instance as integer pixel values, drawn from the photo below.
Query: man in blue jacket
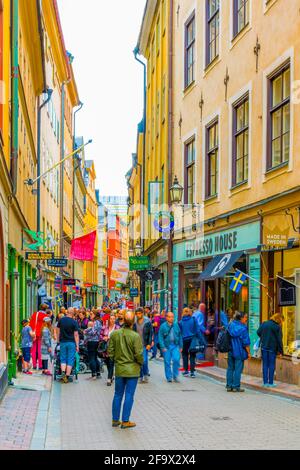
(171, 344)
(239, 353)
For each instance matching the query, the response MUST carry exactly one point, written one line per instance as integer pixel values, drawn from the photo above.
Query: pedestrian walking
(27, 337)
(190, 331)
(105, 335)
(92, 338)
(126, 350)
(156, 327)
(120, 317)
(144, 328)
(68, 337)
(46, 347)
(239, 351)
(171, 344)
(36, 323)
(270, 333)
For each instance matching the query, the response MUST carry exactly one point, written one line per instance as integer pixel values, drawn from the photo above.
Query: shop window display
(286, 263)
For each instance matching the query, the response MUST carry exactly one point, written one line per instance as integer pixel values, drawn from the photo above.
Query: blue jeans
(172, 358)
(67, 353)
(154, 349)
(269, 365)
(127, 386)
(145, 367)
(234, 371)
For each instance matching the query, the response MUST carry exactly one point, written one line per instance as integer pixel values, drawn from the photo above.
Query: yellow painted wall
(279, 39)
(90, 224)
(157, 101)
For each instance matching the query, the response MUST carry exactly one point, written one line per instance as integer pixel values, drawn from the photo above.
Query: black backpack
(223, 344)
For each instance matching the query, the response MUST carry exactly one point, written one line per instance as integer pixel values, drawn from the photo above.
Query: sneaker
(141, 381)
(64, 379)
(116, 424)
(272, 385)
(98, 376)
(146, 380)
(176, 380)
(265, 385)
(109, 382)
(192, 375)
(128, 425)
(229, 389)
(185, 374)
(70, 379)
(238, 390)
(170, 381)
(47, 372)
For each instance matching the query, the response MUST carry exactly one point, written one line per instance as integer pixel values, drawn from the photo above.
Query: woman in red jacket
(36, 323)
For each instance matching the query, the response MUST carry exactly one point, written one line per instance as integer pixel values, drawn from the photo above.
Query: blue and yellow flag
(238, 281)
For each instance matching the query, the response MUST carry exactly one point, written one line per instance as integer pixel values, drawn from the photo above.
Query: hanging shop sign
(134, 292)
(119, 271)
(286, 293)
(57, 262)
(94, 288)
(277, 229)
(138, 263)
(254, 298)
(150, 276)
(39, 255)
(58, 283)
(244, 237)
(69, 282)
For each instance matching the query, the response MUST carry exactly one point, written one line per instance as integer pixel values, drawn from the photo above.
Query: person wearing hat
(27, 336)
(46, 349)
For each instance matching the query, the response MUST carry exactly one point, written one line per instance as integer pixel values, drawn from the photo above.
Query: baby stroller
(57, 375)
(84, 366)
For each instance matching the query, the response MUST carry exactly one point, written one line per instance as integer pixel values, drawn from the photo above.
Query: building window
(240, 141)
(279, 117)
(211, 186)
(189, 180)
(189, 61)
(213, 30)
(240, 15)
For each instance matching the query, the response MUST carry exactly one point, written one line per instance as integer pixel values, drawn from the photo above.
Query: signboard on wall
(286, 293)
(39, 255)
(175, 290)
(254, 297)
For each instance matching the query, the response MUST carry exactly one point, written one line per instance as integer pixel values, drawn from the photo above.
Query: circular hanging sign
(164, 222)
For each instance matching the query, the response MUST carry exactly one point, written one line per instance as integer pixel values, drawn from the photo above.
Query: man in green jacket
(126, 350)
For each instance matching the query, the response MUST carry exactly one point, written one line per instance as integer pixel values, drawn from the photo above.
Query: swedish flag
(238, 281)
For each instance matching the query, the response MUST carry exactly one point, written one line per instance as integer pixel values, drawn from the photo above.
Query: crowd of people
(126, 340)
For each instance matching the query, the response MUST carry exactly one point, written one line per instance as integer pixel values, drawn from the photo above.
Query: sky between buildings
(101, 35)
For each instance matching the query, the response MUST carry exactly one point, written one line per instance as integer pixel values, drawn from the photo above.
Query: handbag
(198, 343)
(257, 350)
(102, 348)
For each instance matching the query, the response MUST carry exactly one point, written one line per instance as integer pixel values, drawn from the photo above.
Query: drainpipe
(14, 38)
(39, 127)
(74, 176)
(142, 196)
(62, 167)
(170, 151)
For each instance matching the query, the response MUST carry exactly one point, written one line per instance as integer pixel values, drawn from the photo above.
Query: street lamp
(138, 249)
(176, 192)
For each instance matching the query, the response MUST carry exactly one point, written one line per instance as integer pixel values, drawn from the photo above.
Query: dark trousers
(186, 355)
(269, 366)
(92, 347)
(45, 364)
(110, 367)
(234, 371)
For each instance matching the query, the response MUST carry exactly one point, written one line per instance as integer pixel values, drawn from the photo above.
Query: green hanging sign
(139, 263)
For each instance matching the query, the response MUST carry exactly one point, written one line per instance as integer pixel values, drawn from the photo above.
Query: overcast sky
(101, 35)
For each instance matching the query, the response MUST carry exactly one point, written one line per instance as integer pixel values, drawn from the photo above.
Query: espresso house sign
(245, 237)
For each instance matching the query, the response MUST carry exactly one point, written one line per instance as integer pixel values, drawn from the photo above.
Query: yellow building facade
(27, 85)
(91, 225)
(236, 136)
(153, 45)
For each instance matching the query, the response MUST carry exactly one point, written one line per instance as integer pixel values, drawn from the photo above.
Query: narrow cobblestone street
(195, 414)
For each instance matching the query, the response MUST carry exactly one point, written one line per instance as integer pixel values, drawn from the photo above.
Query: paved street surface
(18, 412)
(196, 414)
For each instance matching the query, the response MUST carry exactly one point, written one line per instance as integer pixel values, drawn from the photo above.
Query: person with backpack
(171, 343)
(270, 333)
(191, 333)
(239, 351)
